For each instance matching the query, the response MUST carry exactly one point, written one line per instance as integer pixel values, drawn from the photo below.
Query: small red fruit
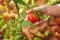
(33, 17)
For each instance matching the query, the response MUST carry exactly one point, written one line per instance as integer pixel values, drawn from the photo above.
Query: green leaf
(20, 2)
(6, 36)
(11, 31)
(46, 33)
(52, 2)
(1, 22)
(42, 16)
(23, 14)
(4, 26)
(26, 1)
(20, 19)
(36, 38)
(26, 24)
(11, 23)
(21, 37)
(17, 37)
(0, 12)
(18, 29)
(38, 33)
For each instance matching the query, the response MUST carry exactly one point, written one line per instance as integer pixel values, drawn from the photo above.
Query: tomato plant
(13, 28)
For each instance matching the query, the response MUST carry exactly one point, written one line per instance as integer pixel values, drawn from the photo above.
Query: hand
(52, 11)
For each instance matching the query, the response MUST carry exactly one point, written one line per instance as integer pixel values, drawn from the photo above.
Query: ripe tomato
(33, 17)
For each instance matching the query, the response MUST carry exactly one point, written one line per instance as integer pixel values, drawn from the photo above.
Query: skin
(52, 10)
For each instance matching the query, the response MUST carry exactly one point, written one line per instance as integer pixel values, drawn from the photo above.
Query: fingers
(27, 33)
(37, 8)
(52, 11)
(47, 10)
(26, 18)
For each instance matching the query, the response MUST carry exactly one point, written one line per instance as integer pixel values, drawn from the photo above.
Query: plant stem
(48, 22)
(32, 1)
(17, 8)
(7, 6)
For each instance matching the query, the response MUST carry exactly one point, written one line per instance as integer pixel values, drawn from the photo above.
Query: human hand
(52, 11)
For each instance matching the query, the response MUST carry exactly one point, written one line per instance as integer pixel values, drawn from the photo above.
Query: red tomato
(33, 17)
